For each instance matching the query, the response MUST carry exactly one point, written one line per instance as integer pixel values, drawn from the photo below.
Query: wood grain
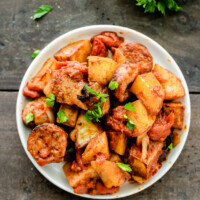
(178, 32)
(21, 181)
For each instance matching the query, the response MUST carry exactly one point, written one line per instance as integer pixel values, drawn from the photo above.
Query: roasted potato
(101, 69)
(41, 79)
(117, 142)
(98, 144)
(85, 131)
(145, 167)
(115, 158)
(151, 93)
(110, 173)
(119, 56)
(78, 51)
(141, 118)
(178, 109)
(72, 135)
(71, 113)
(172, 85)
(76, 178)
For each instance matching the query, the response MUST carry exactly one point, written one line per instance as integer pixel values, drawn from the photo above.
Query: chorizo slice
(47, 143)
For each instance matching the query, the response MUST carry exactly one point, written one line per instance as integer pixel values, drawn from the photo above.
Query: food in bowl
(101, 106)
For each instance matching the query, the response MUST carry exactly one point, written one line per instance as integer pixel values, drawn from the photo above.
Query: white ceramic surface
(53, 172)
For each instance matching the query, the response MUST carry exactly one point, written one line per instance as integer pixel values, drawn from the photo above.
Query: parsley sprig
(129, 123)
(41, 11)
(151, 5)
(129, 106)
(35, 53)
(71, 150)
(29, 117)
(125, 167)
(113, 85)
(94, 115)
(170, 146)
(62, 117)
(50, 101)
(99, 95)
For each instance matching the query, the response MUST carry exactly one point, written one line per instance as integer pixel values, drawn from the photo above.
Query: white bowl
(54, 172)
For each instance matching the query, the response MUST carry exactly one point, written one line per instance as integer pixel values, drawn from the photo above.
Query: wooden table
(178, 33)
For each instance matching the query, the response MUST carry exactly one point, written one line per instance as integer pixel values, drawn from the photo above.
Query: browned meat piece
(67, 83)
(161, 127)
(85, 187)
(124, 75)
(110, 39)
(30, 93)
(135, 53)
(42, 113)
(98, 48)
(178, 109)
(116, 121)
(145, 168)
(47, 143)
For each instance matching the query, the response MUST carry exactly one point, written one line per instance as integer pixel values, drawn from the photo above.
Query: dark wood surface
(178, 33)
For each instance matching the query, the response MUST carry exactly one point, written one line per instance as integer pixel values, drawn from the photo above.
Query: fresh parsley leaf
(94, 115)
(29, 117)
(99, 95)
(62, 117)
(113, 85)
(161, 5)
(71, 150)
(170, 146)
(129, 106)
(125, 167)
(129, 123)
(41, 11)
(35, 53)
(50, 101)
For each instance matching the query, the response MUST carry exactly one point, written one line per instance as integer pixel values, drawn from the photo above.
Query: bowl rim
(43, 52)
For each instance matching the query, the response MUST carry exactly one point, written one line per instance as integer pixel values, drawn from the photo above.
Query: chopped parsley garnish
(29, 117)
(129, 123)
(71, 150)
(94, 115)
(50, 101)
(113, 85)
(129, 106)
(170, 146)
(35, 53)
(125, 167)
(41, 11)
(62, 117)
(99, 95)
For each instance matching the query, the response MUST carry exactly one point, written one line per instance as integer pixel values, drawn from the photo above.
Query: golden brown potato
(119, 56)
(41, 79)
(78, 51)
(97, 145)
(151, 93)
(85, 130)
(110, 173)
(178, 109)
(42, 113)
(115, 158)
(101, 69)
(148, 166)
(172, 85)
(71, 113)
(81, 177)
(141, 118)
(117, 142)
(72, 135)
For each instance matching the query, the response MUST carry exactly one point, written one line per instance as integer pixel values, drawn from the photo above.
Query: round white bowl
(54, 172)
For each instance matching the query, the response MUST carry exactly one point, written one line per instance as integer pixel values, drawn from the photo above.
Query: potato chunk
(41, 79)
(110, 173)
(81, 177)
(141, 118)
(85, 131)
(172, 85)
(71, 113)
(101, 69)
(98, 144)
(148, 166)
(178, 109)
(117, 142)
(78, 51)
(151, 93)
